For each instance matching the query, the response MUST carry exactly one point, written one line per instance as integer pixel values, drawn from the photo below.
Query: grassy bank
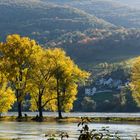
(74, 119)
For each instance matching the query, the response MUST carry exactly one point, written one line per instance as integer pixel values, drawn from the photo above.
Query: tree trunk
(40, 113)
(19, 110)
(40, 107)
(19, 104)
(58, 102)
(59, 113)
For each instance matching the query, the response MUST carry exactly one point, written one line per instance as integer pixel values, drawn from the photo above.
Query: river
(79, 114)
(37, 131)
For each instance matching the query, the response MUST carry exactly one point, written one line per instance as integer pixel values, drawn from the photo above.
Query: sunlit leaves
(7, 96)
(68, 76)
(135, 80)
(16, 60)
(48, 75)
(52, 65)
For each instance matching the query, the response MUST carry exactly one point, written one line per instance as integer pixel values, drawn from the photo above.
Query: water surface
(37, 131)
(79, 114)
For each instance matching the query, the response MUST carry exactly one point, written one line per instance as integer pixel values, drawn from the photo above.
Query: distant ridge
(81, 28)
(28, 16)
(117, 12)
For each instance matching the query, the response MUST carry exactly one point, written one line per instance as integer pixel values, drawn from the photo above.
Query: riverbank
(74, 119)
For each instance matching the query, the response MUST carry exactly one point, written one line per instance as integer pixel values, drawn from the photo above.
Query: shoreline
(129, 120)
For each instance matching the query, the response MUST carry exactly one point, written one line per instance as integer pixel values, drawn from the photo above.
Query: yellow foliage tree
(49, 75)
(41, 85)
(54, 81)
(135, 80)
(16, 58)
(7, 96)
(68, 76)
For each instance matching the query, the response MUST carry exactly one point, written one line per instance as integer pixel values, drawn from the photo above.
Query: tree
(88, 104)
(54, 80)
(7, 96)
(68, 76)
(48, 75)
(135, 80)
(16, 58)
(42, 83)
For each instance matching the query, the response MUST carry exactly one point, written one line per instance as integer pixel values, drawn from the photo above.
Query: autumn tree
(42, 83)
(16, 57)
(49, 75)
(7, 96)
(54, 81)
(135, 80)
(67, 76)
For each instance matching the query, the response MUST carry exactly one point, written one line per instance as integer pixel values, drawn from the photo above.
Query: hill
(117, 12)
(130, 3)
(87, 39)
(100, 45)
(34, 18)
(89, 31)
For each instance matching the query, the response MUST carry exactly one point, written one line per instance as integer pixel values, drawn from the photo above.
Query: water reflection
(37, 131)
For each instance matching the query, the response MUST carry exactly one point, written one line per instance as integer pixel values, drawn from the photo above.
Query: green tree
(88, 104)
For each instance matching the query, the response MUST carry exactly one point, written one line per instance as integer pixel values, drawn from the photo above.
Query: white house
(94, 89)
(87, 91)
(90, 91)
